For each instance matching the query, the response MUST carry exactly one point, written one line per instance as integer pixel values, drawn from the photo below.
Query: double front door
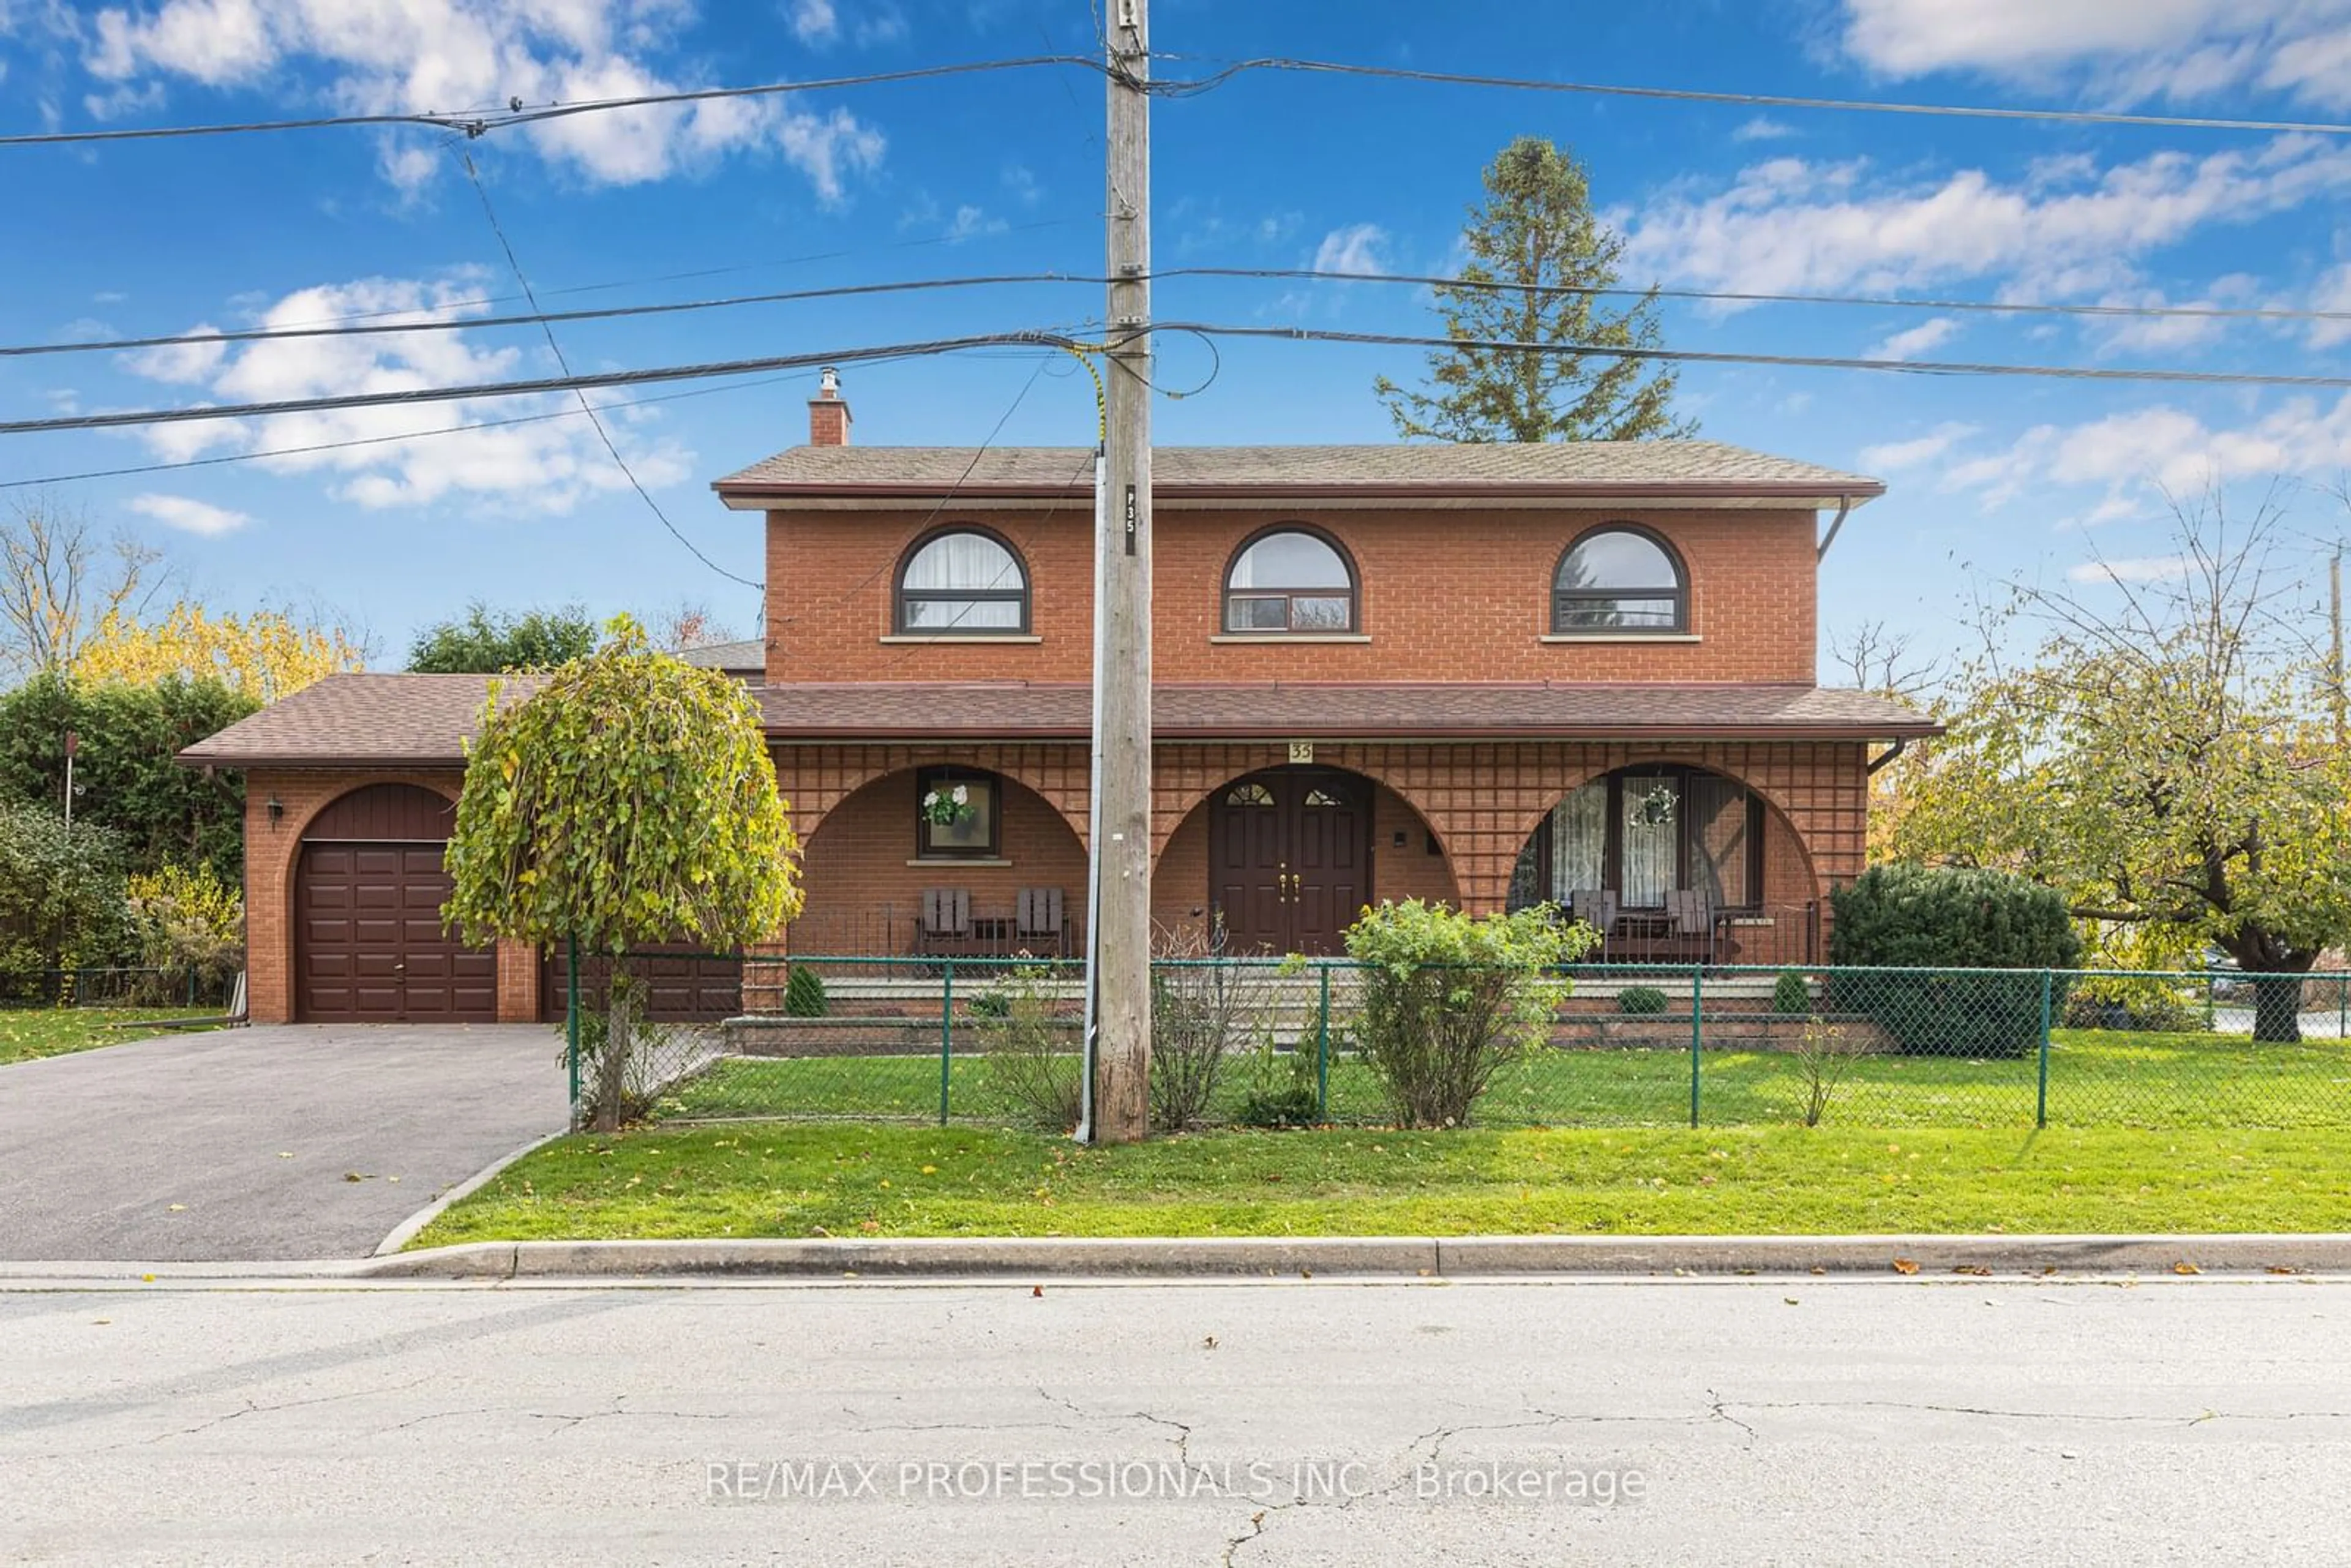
(1290, 860)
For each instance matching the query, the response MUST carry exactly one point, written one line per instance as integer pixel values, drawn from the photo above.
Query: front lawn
(780, 1180)
(26, 1033)
(2096, 1079)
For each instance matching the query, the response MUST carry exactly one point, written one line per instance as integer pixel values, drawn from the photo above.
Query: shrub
(186, 921)
(1448, 999)
(1278, 1088)
(1911, 919)
(1640, 1001)
(1029, 1047)
(62, 902)
(1791, 994)
(804, 995)
(1195, 1010)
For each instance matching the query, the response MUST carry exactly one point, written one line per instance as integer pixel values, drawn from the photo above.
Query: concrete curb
(1242, 1258)
(1468, 1257)
(407, 1229)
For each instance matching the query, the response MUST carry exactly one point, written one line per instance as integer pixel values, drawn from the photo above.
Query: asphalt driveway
(244, 1143)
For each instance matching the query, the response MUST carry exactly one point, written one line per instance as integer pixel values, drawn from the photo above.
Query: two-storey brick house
(1485, 675)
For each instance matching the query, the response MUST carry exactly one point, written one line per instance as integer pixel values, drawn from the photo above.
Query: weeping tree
(1534, 255)
(629, 801)
(2161, 755)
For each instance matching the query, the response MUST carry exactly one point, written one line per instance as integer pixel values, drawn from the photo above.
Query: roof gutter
(1844, 510)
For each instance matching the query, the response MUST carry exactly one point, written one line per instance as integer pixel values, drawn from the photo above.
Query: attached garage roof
(1433, 473)
(362, 720)
(425, 720)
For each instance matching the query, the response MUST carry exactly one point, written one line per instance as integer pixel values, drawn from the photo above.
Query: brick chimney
(828, 412)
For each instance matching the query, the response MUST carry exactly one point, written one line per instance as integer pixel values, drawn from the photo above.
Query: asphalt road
(1767, 1421)
(242, 1144)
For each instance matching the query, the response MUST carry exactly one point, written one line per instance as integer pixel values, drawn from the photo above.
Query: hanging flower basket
(945, 807)
(1653, 809)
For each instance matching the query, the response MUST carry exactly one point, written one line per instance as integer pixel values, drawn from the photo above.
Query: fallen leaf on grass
(1906, 1265)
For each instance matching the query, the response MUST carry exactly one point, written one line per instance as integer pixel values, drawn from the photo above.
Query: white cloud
(2122, 49)
(973, 222)
(447, 55)
(2162, 446)
(188, 514)
(1928, 335)
(181, 362)
(2131, 569)
(1021, 180)
(814, 21)
(2334, 294)
(1356, 249)
(2068, 229)
(547, 466)
(1891, 456)
(1764, 127)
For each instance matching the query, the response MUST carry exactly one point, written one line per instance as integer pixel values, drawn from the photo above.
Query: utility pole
(1118, 1028)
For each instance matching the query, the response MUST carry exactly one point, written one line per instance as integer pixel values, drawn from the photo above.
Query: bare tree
(690, 623)
(1875, 658)
(57, 582)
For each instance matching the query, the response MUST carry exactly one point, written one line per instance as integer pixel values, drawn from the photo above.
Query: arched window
(1289, 580)
(962, 583)
(1619, 579)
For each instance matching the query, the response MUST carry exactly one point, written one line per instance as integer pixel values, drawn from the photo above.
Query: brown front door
(1290, 860)
(369, 948)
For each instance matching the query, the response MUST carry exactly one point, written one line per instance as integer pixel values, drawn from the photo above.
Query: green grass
(27, 1033)
(2096, 1079)
(784, 1180)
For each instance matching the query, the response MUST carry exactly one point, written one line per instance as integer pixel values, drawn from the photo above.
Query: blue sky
(1001, 174)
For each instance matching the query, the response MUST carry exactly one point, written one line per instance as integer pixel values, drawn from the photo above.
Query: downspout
(1900, 745)
(1844, 509)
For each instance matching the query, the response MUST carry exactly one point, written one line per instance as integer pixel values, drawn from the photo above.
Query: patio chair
(1691, 918)
(1037, 920)
(1596, 907)
(945, 923)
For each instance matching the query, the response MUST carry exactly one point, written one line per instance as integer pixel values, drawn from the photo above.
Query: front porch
(1710, 853)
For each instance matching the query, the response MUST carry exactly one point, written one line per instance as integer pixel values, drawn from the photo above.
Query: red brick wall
(1446, 596)
(271, 850)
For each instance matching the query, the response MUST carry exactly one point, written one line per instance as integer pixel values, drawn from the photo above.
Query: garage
(367, 890)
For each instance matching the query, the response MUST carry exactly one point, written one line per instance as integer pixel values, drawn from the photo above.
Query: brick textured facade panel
(1456, 595)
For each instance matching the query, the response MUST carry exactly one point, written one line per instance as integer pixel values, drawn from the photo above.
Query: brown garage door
(369, 946)
(682, 983)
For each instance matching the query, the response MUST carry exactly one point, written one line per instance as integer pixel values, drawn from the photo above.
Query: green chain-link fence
(1279, 1042)
(191, 989)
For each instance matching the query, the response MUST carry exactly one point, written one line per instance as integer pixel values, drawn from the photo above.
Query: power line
(542, 384)
(1726, 297)
(1307, 274)
(1035, 339)
(1804, 361)
(377, 439)
(534, 316)
(1745, 100)
(505, 245)
(517, 114)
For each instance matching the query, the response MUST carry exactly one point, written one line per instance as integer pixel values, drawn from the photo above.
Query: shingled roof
(399, 720)
(1614, 470)
(367, 720)
(1331, 711)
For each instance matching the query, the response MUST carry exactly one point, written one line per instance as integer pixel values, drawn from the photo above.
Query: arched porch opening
(1675, 863)
(943, 859)
(1284, 859)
